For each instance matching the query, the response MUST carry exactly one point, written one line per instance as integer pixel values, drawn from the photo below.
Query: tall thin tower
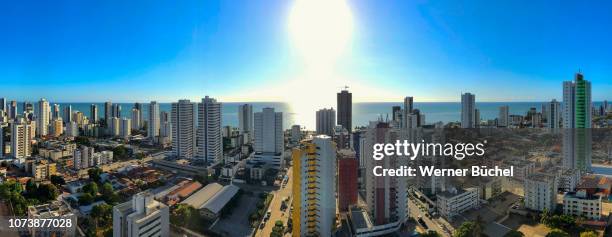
(345, 109)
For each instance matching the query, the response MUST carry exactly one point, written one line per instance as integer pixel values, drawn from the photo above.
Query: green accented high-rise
(577, 123)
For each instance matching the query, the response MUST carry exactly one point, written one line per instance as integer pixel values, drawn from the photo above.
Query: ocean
(362, 112)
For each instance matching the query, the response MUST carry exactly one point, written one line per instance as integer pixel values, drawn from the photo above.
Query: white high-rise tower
(20, 139)
(468, 110)
(245, 121)
(269, 137)
(183, 118)
(153, 126)
(210, 144)
(504, 116)
(42, 120)
(326, 121)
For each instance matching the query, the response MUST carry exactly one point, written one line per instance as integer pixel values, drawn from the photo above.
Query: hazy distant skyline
(93, 51)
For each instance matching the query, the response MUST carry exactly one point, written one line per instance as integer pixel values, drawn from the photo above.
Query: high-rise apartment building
(540, 192)
(55, 112)
(386, 197)
(268, 131)
(57, 127)
(314, 187)
(553, 114)
(116, 110)
(72, 129)
(141, 216)
(108, 112)
(20, 139)
(245, 121)
(1, 136)
(210, 143)
(12, 110)
(165, 128)
(153, 126)
(577, 123)
(93, 113)
(296, 134)
(326, 121)
(183, 117)
(348, 168)
(114, 126)
(126, 128)
(42, 120)
(3, 104)
(67, 118)
(269, 137)
(503, 119)
(138, 106)
(468, 110)
(136, 118)
(345, 109)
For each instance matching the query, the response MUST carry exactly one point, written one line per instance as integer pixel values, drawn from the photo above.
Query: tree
(31, 188)
(58, 180)
(108, 194)
(46, 192)
(431, 233)
(120, 153)
(278, 229)
(91, 189)
(514, 233)
(545, 217)
(102, 215)
(82, 141)
(465, 230)
(557, 233)
(589, 233)
(85, 199)
(94, 174)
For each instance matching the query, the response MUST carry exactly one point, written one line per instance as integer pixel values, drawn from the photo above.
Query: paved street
(275, 205)
(415, 212)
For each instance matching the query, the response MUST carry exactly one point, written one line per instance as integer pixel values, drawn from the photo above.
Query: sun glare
(320, 32)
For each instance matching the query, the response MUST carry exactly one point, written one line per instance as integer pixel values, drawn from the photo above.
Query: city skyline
(393, 50)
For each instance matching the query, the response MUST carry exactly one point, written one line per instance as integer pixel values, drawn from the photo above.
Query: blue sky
(128, 51)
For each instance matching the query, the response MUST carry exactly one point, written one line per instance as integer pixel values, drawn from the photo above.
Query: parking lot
(237, 224)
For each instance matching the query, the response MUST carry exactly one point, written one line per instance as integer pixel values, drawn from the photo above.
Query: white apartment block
(210, 143)
(326, 121)
(453, 202)
(136, 119)
(503, 119)
(269, 131)
(269, 138)
(468, 110)
(296, 134)
(183, 118)
(540, 192)
(42, 119)
(580, 204)
(153, 126)
(142, 216)
(126, 128)
(245, 121)
(20, 139)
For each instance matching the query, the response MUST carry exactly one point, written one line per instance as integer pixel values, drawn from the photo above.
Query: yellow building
(58, 127)
(43, 170)
(314, 187)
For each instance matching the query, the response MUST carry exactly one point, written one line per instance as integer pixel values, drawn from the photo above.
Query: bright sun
(320, 30)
